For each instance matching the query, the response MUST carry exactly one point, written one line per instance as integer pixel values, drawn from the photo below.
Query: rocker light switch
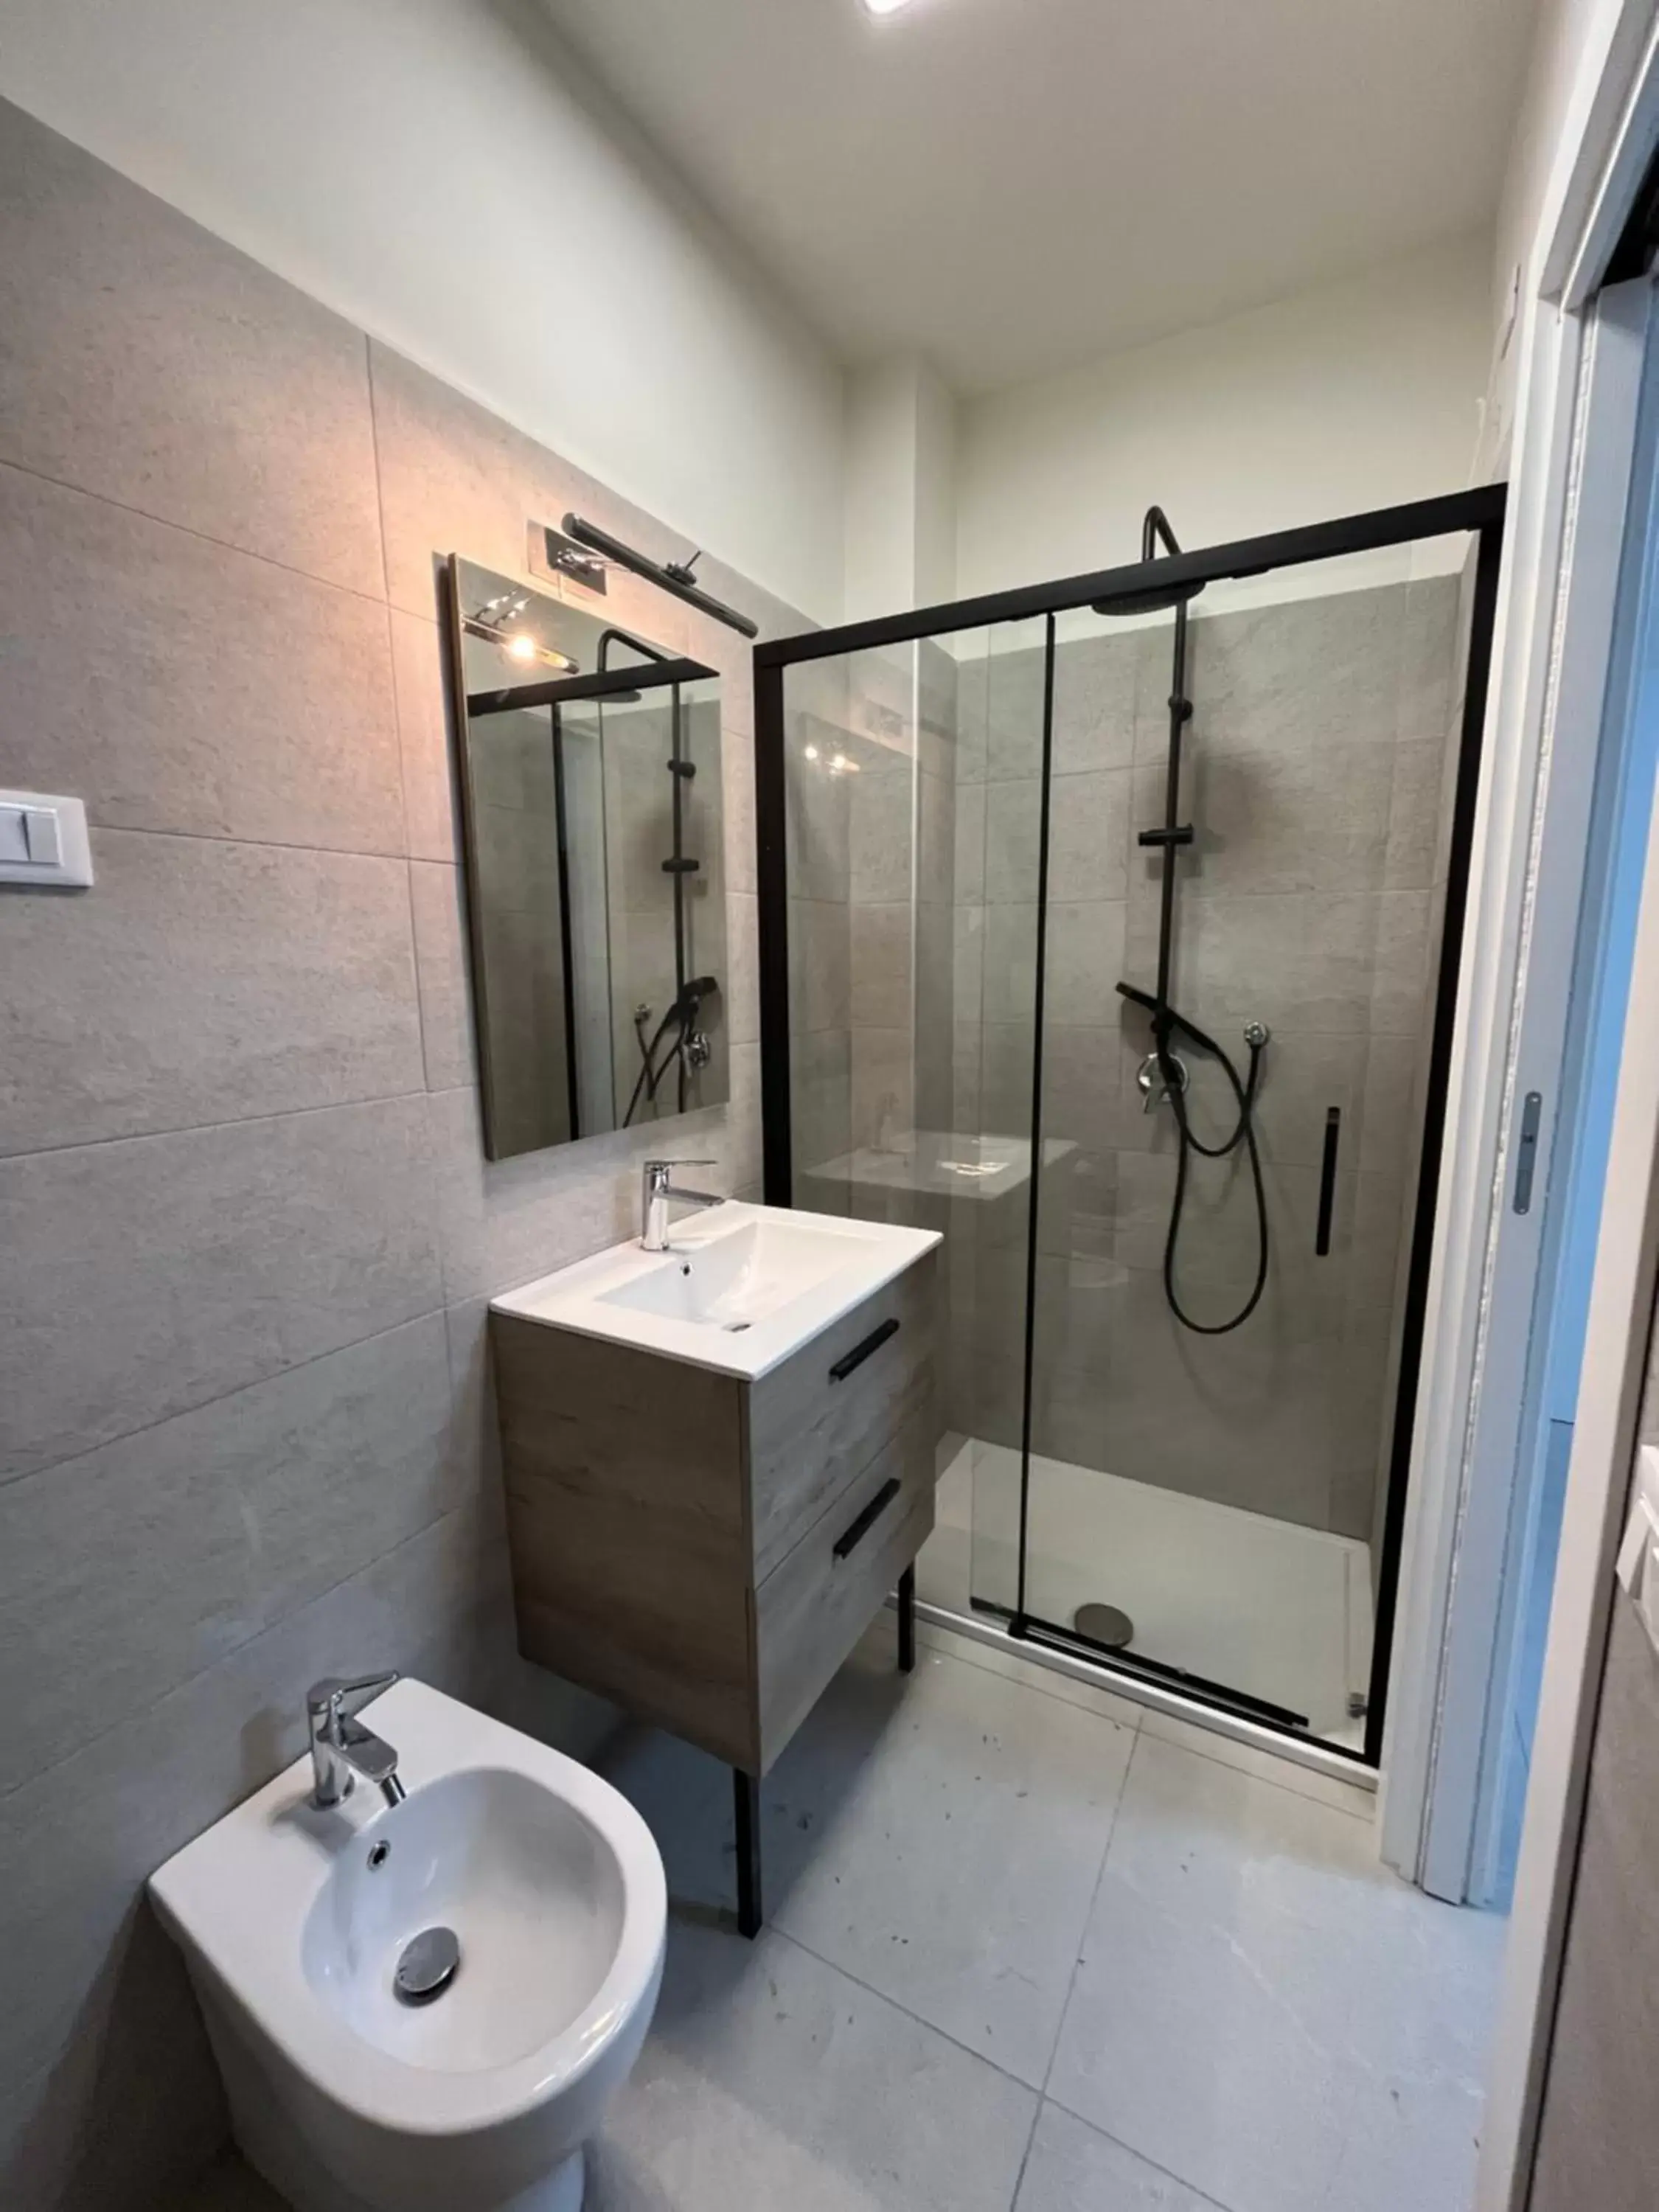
(43, 842)
(40, 835)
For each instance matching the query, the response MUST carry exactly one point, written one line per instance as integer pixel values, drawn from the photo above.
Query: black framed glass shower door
(1125, 907)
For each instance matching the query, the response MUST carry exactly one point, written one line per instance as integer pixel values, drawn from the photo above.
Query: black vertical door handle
(1328, 1181)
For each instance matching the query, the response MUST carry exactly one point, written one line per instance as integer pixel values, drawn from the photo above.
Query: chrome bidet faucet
(659, 1192)
(341, 1747)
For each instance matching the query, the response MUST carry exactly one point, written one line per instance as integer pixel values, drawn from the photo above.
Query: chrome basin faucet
(659, 1192)
(341, 1747)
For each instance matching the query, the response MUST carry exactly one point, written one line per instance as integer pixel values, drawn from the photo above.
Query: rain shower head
(1152, 602)
(1154, 529)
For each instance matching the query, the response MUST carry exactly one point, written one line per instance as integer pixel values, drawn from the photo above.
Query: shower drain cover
(1104, 1624)
(426, 1966)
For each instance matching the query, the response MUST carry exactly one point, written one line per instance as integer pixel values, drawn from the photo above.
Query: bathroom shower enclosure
(1111, 926)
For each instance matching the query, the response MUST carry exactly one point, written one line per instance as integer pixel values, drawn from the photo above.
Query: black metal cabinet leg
(745, 1790)
(907, 1620)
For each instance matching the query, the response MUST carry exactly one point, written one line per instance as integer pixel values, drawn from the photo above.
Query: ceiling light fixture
(885, 7)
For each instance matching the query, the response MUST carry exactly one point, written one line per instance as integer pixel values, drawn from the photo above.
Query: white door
(1571, 1011)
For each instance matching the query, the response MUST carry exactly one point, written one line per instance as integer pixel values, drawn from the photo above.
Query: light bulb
(521, 646)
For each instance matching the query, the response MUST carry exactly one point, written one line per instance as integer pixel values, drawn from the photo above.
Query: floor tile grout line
(1106, 2135)
(1272, 1781)
(1088, 1913)
(1026, 2155)
(1045, 2096)
(189, 530)
(1040, 1689)
(898, 2005)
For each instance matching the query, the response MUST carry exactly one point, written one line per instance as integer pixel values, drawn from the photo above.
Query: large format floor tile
(771, 2080)
(938, 1837)
(1264, 2011)
(1073, 2168)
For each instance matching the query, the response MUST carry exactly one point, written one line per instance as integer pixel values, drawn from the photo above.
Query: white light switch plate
(43, 842)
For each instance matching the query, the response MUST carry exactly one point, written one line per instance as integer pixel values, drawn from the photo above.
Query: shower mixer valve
(1154, 1088)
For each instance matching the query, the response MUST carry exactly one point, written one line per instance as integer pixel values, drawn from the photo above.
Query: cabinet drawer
(819, 1418)
(813, 1609)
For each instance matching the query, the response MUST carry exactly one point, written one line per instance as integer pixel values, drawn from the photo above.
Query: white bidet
(427, 2005)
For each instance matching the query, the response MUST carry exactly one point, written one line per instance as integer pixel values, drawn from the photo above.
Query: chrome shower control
(1149, 1076)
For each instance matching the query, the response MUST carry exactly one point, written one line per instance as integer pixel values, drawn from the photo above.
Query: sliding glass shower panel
(1238, 983)
(912, 984)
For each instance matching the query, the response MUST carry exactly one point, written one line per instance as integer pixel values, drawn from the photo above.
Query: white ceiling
(1014, 187)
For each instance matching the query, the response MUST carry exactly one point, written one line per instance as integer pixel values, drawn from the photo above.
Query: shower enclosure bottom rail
(1054, 1636)
(1276, 1742)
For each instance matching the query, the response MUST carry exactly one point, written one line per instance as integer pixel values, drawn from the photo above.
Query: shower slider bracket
(1181, 835)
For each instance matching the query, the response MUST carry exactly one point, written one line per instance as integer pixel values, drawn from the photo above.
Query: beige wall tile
(150, 1275)
(127, 1570)
(223, 981)
(430, 772)
(145, 360)
(438, 897)
(143, 1790)
(174, 684)
(221, 1390)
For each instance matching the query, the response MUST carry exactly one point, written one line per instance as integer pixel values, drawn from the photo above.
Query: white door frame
(1598, 1481)
(1484, 1266)
(1450, 1588)
(1476, 1664)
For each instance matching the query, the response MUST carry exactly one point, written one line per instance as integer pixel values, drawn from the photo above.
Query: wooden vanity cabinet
(704, 1549)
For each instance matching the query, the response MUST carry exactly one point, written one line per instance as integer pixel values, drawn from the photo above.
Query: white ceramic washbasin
(294, 1920)
(740, 1288)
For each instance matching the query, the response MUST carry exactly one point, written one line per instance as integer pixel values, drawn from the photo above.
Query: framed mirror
(589, 775)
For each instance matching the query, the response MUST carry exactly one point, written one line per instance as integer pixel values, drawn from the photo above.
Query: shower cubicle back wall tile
(1313, 776)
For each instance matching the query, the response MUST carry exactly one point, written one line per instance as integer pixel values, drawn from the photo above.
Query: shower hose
(1243, 1132)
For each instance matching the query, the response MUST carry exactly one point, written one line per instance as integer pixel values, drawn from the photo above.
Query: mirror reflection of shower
(590, 782)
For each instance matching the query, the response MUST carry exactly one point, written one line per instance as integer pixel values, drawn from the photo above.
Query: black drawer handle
(1328, 1181)
(853, 1537)
(856, 1358)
